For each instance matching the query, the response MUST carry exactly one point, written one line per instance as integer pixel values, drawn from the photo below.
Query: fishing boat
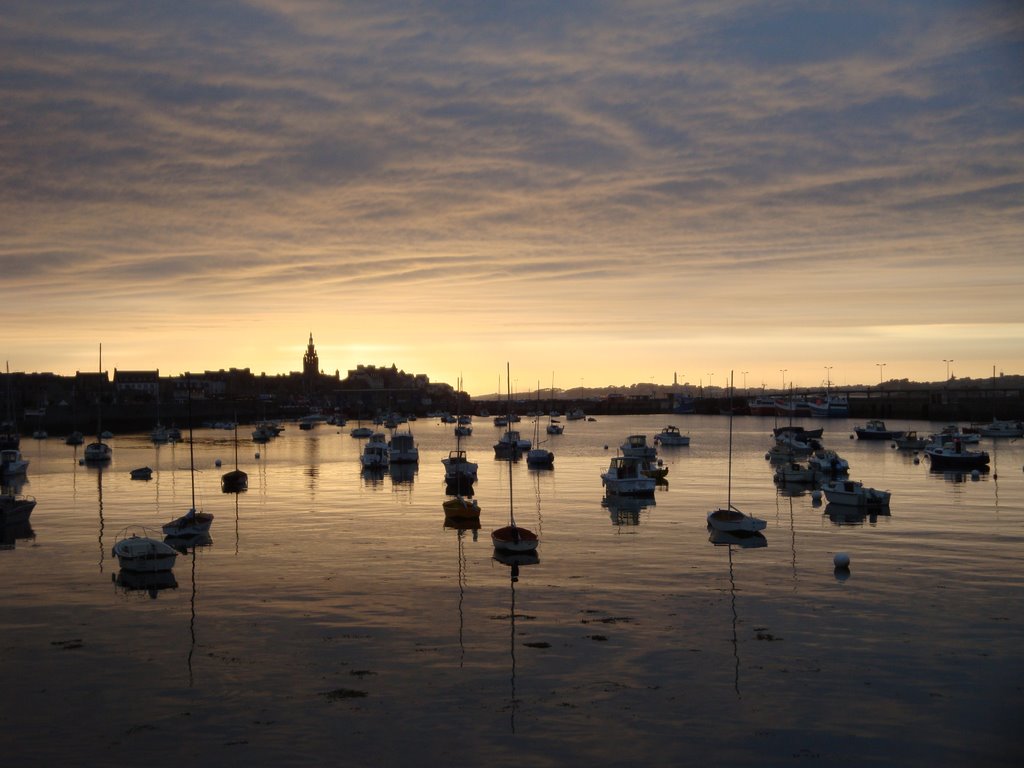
(671, 435)
(12, 463)
(953, 455)
(194, 522)
(625, 477)
(513, 538)
(875, 429)
(461, 507)
(15, 508)
(729, 518)
(794, 472)
(910, 441)
(637, 446)
(138, 549)
(762, 406)
(826, 462)
(1001, 428)
(237, 480)
(853, 493)
(376, 454)
(402, 447)
(830, 406)
(511, 445)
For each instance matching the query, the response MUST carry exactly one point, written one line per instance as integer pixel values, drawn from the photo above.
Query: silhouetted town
(136, 399)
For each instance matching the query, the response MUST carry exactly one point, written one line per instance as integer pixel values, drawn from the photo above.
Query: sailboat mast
(511, 447)
(729, 484)
(191, 450)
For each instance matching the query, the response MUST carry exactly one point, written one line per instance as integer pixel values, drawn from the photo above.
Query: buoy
(841, 561)
(816, 495)
(767, 456)
(217, 463)
(975, 474)
(917, 459)
(851, 437)
(606, 447)
(257, 454)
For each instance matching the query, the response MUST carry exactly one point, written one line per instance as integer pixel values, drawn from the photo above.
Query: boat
(512, 539)
(729, 518)
(671, 435)
(15, 508)
(461, 507)
(953, 455)
(459, 471)
(625, 477)
(875, 429)
(12, 463)
(194, 522)
(537, 457)
(10, 435)
(827, 463)
(792, 406)
(555, 427)
(801, 432)
(361, 431)
(235, 481)
(138, 549)
(576, 414)
(911, 441)
(829, 406)
(853, 493)
(74, 438)
(761, 406)
(795, 443)
(463, 430)
(403, 448)
(655, 469)
(376, 454)
(637, 446)
(141, 473)
(511, 445)
(952, 432)
(1001, 428)
(98, 452)
(794, 472)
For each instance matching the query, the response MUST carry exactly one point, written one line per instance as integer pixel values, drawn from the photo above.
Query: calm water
(334, 618)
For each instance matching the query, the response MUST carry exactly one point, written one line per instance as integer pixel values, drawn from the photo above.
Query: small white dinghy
(138, 549)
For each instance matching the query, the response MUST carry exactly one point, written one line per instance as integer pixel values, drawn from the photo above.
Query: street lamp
(947, 362)
(710, 377)
(783, 372)
(881, 368)
(745, 382)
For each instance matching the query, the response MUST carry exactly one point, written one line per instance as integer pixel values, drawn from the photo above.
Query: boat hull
(512, 538)
(734, 521)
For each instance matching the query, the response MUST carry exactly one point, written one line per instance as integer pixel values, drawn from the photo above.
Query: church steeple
(310, 361)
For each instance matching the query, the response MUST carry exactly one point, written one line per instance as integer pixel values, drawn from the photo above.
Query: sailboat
(10, 437)
(555, 427)
(537, 457)
(99, 451)
(459, 471)
(236, 480)
(729, 519)
(511, 538)
(193, 522)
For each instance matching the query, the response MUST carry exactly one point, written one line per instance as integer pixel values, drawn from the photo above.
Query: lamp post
(783, 372)
(947, 362)
(745, 393)
(881, 368)
(828, 378)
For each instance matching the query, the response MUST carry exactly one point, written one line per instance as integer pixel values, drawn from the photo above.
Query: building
(137, 386)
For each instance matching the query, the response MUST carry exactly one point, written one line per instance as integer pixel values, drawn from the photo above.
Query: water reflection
(144, 584)
(12, 532)
(842, 514)
(460, 526)
(625, 510)
(743, 540)
(514, 561)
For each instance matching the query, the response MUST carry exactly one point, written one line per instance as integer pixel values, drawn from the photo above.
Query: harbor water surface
(334, 619)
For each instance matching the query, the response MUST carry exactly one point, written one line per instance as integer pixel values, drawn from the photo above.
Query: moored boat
(625, 477)
(875, 429)
(853, 493)
(953, 455)
(138, 549)
(910, 440)
(1001, 428)
(376, 454)
(671, 435)
(15, 508)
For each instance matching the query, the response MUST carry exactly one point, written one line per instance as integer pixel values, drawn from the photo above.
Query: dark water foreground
(333, 619)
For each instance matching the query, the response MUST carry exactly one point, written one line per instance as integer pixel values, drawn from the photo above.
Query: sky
(593, 192)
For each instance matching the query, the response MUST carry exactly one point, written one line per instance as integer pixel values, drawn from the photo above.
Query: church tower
(310, 363)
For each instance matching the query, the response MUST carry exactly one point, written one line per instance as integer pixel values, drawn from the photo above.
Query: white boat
(828, 463)
(376, 454)
(138, 549)
(762, 406)
(671, 435)
(729, 519)
(12, 463)
(1001, 428)
(853, 493)
(512, 539)
(625, 477)
(794, 472)
(15, 508)
(458, 468)
(403, 448)
(638, 447)
(794, 443)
